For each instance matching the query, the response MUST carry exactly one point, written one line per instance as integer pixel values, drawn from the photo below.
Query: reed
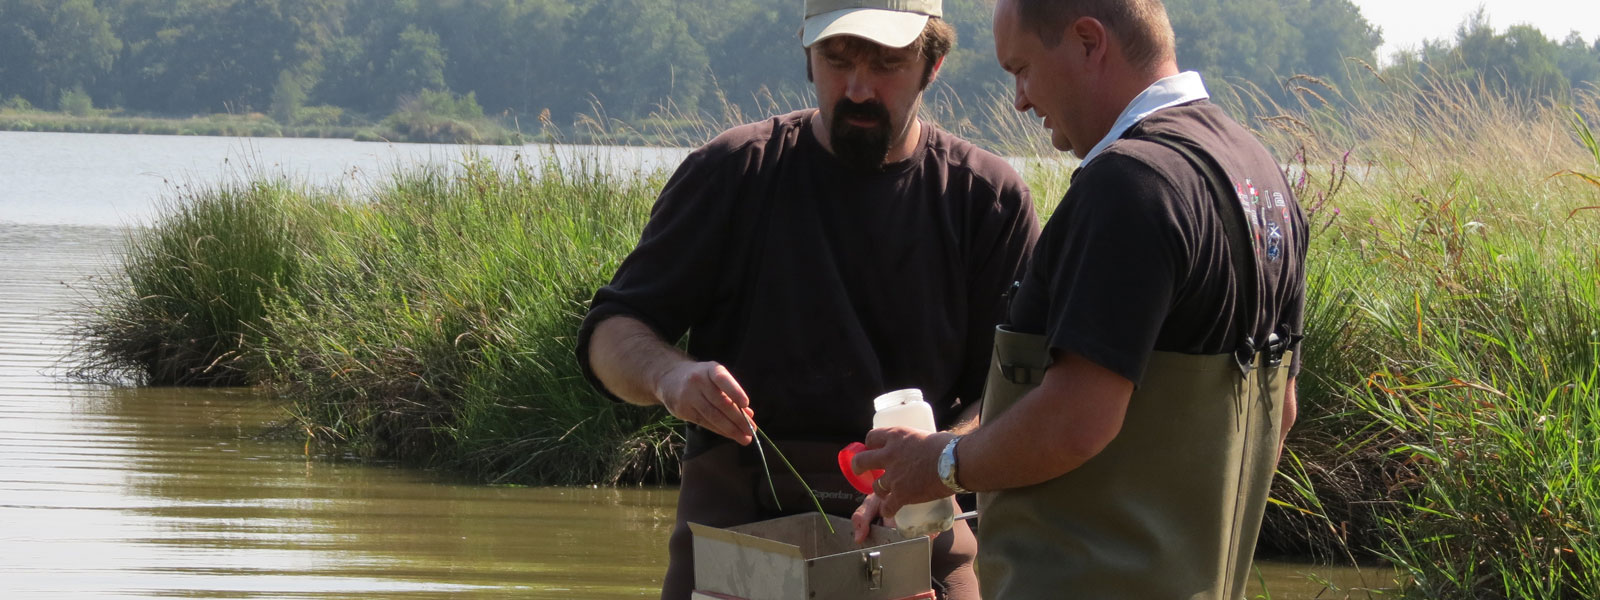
(193, 290)
(438, 325)
(1453, 344)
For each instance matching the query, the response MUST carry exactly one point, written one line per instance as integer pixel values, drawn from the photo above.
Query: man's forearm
(630, 359)
(1067, 420)
(969, 419)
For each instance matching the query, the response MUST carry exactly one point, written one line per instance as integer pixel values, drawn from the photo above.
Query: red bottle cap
(861, 481)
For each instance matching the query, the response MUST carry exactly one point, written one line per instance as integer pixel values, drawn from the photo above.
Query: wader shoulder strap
(1241, 246)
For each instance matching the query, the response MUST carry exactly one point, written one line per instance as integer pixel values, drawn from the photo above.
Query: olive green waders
(1170, 509)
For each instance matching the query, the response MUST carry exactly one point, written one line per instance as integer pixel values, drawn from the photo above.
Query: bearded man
(816, 260)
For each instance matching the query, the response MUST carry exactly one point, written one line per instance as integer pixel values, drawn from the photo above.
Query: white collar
(1166, 92)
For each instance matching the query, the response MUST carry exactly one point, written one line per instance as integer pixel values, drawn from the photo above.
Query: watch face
(946, 463)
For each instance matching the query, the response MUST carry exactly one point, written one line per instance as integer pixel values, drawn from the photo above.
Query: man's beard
(860, 147)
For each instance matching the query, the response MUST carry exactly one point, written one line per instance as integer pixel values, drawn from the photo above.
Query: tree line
(558, 60)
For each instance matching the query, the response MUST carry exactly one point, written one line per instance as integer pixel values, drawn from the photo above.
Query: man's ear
(931, 74)
(810, 77)
(1090, 37)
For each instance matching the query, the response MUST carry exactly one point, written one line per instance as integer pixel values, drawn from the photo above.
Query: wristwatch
(947, 467)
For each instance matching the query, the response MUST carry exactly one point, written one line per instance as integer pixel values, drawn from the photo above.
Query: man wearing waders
(816, 260)
(1140, 391)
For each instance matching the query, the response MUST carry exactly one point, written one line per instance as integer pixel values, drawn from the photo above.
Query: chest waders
(1171, 508)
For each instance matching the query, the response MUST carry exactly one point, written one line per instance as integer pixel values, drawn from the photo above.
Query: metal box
(795, 558)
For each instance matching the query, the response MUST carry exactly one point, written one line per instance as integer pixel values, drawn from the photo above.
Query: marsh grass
(438, 324)
(1453, 345)
(429, 318)
(194, 289)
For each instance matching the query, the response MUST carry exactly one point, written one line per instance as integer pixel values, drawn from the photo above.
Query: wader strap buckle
(1021, 375)
(1245, 356)
(1275, 349)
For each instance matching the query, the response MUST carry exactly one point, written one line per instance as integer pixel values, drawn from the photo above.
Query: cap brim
(892, 28)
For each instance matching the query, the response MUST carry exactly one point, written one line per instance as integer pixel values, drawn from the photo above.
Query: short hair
(1141, 25)
(937, 40)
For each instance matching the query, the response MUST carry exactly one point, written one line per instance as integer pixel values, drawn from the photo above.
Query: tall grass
(194, 290)
(438, 324)
(1453, 348)
(430, 318)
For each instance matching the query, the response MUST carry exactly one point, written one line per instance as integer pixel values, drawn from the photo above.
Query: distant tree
(215, 55)
(971, 71)
(510, 52)
(76, 102)
(288, 97)
(415, 64)
(356, 60)
(48, 46)
(633, 55)
(751, 48)
(1237, 40)
(1331, 33)
(1520, 60)
(1579, 61)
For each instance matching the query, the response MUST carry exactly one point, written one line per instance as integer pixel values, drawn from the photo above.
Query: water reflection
(116, 492)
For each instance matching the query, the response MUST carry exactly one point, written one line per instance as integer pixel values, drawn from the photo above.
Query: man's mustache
(846, 109)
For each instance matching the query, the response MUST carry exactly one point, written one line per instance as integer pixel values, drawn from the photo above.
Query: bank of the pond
(426, 125)
(417, 128)
(1450, 398)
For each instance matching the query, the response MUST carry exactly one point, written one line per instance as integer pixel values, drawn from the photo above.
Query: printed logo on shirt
(1266, 232)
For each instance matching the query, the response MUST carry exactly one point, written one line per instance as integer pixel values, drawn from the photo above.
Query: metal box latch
(874, 562)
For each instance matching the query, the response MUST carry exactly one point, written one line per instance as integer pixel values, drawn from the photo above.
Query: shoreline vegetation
(428, 117)
(1450, 403)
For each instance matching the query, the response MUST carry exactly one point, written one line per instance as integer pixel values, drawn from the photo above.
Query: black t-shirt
(1135, 259)
(820, 287)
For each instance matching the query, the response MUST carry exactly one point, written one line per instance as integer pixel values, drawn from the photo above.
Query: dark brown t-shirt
(820, 287)
(1135, 259)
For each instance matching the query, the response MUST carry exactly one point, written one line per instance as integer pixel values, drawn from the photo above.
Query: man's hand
(861, 521)
(704, 393)
(910, 460)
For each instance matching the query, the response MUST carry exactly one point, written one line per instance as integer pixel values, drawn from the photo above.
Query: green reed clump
(429, 319)
(196, 287)
(437, 322)
(1453, 346)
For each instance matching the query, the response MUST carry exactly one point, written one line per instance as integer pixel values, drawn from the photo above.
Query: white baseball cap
(892, 23)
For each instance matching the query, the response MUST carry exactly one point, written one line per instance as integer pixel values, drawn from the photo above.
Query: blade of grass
(797, 476)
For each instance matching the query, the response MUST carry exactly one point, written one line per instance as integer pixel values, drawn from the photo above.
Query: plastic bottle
(905, 408)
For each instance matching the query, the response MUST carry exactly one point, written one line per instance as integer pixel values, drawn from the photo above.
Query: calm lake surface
(115, 492)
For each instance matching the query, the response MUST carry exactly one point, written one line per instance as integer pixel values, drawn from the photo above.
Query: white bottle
(905, 408)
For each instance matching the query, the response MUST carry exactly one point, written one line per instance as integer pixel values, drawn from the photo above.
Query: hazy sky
(1406, 23)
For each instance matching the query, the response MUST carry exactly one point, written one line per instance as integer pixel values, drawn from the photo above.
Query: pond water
(112, 179)
(117, 492)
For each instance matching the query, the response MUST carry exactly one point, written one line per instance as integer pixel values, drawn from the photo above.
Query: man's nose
(1021, 102)
(859, 86)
